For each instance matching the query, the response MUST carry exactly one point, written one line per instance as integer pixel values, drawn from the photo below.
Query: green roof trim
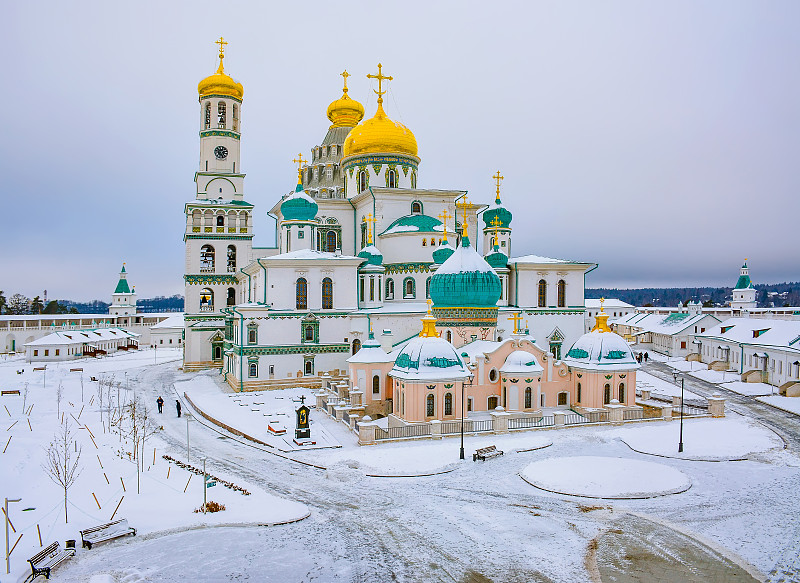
(418, 224)
(122, 287)
(743, 282)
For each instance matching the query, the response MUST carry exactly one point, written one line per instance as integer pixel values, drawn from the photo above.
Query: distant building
(744, 294)
(72, 344)
(613, 308)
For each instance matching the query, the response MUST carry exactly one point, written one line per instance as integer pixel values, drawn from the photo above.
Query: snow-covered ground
(731, 438)
(750, 389)
(660, 386)
(605, 477)
(790, 404)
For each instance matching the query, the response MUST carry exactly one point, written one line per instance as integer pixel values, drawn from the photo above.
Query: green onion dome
(443, 253)
(299, 206)
(372, 255)
(465, 280)
(502, 214)
(497, 258)
(600, 350)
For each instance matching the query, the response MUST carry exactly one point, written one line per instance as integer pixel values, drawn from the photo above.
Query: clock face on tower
(221, 152)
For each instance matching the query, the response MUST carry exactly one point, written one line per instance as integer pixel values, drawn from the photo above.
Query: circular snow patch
(731, 438)
(605, 477)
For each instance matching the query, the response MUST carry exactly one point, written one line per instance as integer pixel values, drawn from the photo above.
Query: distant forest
(768, 295)
(157, 304)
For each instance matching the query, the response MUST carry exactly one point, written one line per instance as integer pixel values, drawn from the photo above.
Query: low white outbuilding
(72, 344)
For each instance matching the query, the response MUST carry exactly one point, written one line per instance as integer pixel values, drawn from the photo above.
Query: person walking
(160, 403)
(646, 356)
(178, 406)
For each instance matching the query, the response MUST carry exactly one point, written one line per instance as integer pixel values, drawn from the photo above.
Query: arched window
(579, 392)
(391, 179)
(376, 384)
(542, 293)
(433, 242)
(416, 208)
(327, 294)
(409, 291)
(356, 345)
(330, 241)
(403, 403)
(309, 367)
(562, 293)
(362, 181)
(389, 288)
(231, 258)
(220, 220)
(430, 406)
(206, 259)
(448, 404)
(308, 333)
(528, 398)
(206, 300)
(301, 293)
(428, 288)
(253, 369)
(449, 336)
(207, 116)
(607, 394)
(413, 179)
(252, 334)
(621, 393)
(235, 117)
(231, 297)
(424, 242)
(371, 288)
(562, 399)
(221, 109)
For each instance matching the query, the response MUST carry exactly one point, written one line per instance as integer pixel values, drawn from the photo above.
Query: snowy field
(605, 477)
(731, 438)
(790, 404)
(465, 521)
(660, 386)
(750, 389)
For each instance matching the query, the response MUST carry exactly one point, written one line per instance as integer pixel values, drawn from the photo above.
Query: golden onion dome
(219, 83)
(345, 112)
(380, 134)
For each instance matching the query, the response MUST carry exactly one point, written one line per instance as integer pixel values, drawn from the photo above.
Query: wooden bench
(10, 392)
(49, 558)
(485, 453)
(105, 532)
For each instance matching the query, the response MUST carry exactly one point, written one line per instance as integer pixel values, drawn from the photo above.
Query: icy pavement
(479, 522)
(790, 404)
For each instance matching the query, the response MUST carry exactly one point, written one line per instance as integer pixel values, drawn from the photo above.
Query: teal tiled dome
(442, 253)
(502, 213)
(299, 206)
(465, 280)
(372, 255)
(497, 258)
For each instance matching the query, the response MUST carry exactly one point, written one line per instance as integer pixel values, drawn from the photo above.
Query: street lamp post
(5, 509)
(187, 439)
(680, 439)
(461, 454)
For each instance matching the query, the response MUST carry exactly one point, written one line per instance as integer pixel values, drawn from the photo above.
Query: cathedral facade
(358, 245)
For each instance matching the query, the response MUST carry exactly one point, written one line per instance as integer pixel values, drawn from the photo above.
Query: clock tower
(219, 229)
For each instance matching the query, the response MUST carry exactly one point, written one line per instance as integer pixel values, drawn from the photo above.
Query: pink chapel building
(424, 379)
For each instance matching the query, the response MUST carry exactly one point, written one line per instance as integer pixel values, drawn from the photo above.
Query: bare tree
(62, 463)
(25, 398)
(140, 427)
(59, 396)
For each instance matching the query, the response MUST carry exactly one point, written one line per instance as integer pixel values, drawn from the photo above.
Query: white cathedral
(358, 245)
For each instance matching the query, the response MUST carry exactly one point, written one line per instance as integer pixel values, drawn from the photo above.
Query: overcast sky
(658, 139)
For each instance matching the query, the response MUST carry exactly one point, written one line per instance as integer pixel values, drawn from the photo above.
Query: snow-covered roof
(416, 223)
(667, 324)
(594, 304)
(310, 254)
(428, 359)
(174, 321)
(90, 336)
(538, 259)
(521, 362)
(371, 352)
(601, 351)
(465, 259)
(757, 332)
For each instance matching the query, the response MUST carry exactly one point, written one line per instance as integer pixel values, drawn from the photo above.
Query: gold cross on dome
(495, 222)
(345, 75)
(299, 161)
(516, 318)
(463, 206)
(444, 216)
(497, 179)
(380, 77)
(370, 225)
(221, 42)
(602, 300)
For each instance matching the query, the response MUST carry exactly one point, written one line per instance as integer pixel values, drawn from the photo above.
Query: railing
(346, 417)
(481, 425)
(527, 422)
(575, 419)
(418, 430)
(207, 269)
(630, 414)
(231, 269)
(449, 427)
(206, 308)
(598, 416)
(324, 404)
(690, 410)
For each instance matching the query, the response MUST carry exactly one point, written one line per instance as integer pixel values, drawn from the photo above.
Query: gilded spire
(601, 320)
(444, 216)
(370, 226)
(429, 323)
(380, 77)
(221, 42)
(497, 179)
(495, 222)
(345, 75)
(516, 318)
(299, 161)
(463, 206)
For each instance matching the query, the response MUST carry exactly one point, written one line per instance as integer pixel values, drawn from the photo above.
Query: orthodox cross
(302, 399)
(380, 77)
(345, 75)
(370, 225)
(444, 216)
(497, 179)
(299, 161)
(495, 222)
(463, 206)
(602, 300)
(221, 42)
(516, 318)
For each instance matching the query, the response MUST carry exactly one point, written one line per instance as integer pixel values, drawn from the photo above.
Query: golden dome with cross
(219, 83)
(380, 134)
(345, 112)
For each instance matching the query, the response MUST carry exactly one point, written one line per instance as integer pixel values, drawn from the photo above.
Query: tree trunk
(66, 516)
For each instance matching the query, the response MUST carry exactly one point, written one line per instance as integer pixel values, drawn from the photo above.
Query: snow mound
(703, 439)
(345, 471)
(605, 477)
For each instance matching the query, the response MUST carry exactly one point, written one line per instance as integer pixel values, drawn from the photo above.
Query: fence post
(645, 394)
(676, 402)
(353, 421)
(559, 417)
(320, 401)
(716, 405)
(436, 429)
(499, 420)
(615, 412)
(339, 411)
(666, 412)
(366, 431)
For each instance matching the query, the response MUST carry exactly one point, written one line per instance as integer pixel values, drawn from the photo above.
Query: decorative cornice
(223, 133)
(209, 279)
(213, 236)
(412, 267)
(232, 98)
(364, 160)
(292, 349)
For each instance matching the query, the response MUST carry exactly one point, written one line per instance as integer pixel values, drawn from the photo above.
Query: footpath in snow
(105, 486)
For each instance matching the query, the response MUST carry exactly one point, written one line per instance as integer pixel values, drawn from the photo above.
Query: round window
(493, 375)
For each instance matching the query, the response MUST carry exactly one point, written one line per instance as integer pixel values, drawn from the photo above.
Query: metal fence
(480, 425)
(527, 422)
(575, 419)
(419, 430)
(449, 427)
